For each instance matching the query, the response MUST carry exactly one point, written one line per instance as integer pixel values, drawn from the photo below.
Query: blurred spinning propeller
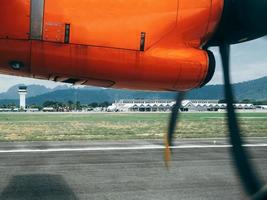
(242, 20)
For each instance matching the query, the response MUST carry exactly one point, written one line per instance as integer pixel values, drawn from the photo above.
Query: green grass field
(117, 126)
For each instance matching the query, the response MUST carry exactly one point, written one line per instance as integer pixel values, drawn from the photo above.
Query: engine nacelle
(147, 45)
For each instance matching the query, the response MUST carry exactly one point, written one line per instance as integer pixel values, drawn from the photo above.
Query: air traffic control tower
(22, 97)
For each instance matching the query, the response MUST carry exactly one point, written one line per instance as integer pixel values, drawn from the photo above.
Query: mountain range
(37, 94)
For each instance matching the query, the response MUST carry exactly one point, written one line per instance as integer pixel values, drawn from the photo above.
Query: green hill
(255, 90)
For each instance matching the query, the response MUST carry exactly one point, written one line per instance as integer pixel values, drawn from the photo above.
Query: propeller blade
(246, 171)
(172, 126)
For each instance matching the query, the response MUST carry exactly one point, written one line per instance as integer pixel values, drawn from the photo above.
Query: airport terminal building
(138, 105)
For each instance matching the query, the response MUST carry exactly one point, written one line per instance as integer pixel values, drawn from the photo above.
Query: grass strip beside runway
(119, 126)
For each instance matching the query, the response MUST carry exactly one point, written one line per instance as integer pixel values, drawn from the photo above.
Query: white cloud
(248, 62)
(7, 81)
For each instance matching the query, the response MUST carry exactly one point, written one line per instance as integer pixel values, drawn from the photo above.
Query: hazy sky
(249, 61)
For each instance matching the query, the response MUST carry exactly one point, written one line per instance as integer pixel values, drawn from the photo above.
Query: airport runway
(131, 170)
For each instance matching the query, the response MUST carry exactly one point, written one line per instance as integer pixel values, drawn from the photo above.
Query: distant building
(22, 97)
(32, 110)
(5, 110)
(262, 107)
(166, 105)
(141, 106)
(48, 109)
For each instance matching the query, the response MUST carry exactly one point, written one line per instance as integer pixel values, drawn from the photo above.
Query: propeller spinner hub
(242, 20)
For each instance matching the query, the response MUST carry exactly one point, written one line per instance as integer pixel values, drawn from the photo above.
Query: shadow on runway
(38, 186)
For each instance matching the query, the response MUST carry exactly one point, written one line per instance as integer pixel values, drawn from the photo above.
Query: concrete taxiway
(123, 170)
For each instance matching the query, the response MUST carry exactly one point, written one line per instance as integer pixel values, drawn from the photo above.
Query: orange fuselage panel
(144, 44)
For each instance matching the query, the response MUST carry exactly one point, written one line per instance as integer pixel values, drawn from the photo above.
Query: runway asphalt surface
(130, 170)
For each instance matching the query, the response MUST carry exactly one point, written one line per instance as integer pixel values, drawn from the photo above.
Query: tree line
(61, 106)
(70, 105)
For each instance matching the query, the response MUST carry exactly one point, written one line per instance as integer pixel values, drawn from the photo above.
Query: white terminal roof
(125, 104)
